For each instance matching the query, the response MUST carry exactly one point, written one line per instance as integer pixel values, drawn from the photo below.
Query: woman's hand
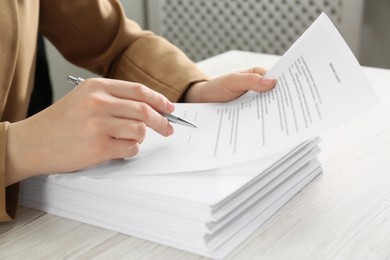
(230, 86)
(98, 120)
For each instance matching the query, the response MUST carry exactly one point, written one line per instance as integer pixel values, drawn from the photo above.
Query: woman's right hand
(99, 120)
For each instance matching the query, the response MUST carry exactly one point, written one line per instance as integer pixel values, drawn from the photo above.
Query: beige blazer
(93, 34)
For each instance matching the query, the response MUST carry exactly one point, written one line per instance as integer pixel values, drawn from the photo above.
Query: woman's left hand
(230, 86)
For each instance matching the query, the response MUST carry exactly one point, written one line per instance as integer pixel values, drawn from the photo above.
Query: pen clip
(74, 80)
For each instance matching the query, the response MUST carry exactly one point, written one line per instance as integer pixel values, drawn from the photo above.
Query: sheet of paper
(203, 188)
(320, 85)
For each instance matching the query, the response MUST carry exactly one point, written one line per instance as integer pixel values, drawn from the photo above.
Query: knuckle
(141, 90)
(161, 99)
(140, 131)
(95, 96)
(92, 84)
(145, 111)
(133, 149)
(95, 101)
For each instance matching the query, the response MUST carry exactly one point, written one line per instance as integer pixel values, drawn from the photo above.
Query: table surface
(342, 214)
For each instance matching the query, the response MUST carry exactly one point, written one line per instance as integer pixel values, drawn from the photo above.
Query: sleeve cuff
(8, 195)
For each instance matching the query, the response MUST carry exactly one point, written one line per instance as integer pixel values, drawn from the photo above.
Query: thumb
(255, 80)
(241, 82)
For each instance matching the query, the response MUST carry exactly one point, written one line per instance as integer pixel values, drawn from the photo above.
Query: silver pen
(171, 118)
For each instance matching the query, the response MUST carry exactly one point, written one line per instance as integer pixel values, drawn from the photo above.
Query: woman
(101, 119)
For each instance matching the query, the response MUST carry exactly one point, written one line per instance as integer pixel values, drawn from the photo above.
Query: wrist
(12, 172)
(194, 93)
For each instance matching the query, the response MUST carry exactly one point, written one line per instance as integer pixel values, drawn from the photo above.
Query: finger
(250, 81)
(105, 103)
(123, 148)
(131, 113)
(266, 83)
(107, 148)
(127, 129)
(137, 92)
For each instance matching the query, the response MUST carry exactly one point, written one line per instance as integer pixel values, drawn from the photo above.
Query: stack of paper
(205, 190)
(207, 213)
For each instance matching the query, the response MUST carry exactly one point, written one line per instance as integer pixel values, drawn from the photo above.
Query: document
(320, 85)
(205, 190)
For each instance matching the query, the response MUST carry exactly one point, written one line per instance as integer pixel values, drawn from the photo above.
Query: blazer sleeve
(96, 35)
(8, 195)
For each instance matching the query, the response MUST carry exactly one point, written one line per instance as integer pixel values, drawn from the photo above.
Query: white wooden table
(343, 214)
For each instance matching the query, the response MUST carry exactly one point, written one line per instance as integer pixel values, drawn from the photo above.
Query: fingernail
(170, 130)
(267, 81)
(171, 107)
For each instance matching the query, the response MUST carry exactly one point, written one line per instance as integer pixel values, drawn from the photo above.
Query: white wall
(60, 68)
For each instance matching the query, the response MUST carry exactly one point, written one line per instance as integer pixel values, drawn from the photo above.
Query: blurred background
(204, 28)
